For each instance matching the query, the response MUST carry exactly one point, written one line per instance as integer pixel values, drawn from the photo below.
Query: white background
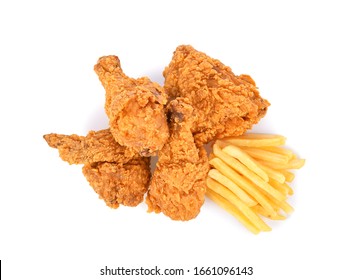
(53, 226)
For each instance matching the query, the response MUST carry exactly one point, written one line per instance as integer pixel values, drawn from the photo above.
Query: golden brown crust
(135, 108)
(225, 104)
(116, 183)
(116, 173)
(178, 184)
(96, 146)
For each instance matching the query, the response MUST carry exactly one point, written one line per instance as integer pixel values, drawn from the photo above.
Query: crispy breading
(118, 183)
(178, 185)
(135, 108)
(118, 174)
(225, 104)
(96, 146)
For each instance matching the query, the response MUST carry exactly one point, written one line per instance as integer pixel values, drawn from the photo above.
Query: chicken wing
(117, 174)
(135, 108)
(226, 104)
(178, 185)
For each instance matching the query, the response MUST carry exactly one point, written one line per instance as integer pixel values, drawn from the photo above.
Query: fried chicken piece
(178, 184)
(95, 147)
(135, 108)
(117, 174)
(226, 104)
(118, 183)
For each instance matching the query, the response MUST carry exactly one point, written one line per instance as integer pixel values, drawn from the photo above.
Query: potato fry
(235, 164)
(279, 150)
(272, 173)
(296, 163)
(245, 159)
(279, 187)
(247, 211)
(289, 176)
(242, 182)
(266, 155)
(256, 140)
(283, 188)
(292, 164)
(290, 190)
(220, 178)
(284, 206)
(288, 209)
(223, 203)
(261, 211)
(220, 165)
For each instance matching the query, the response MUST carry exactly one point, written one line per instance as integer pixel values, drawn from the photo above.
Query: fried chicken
(226, 104)
(178, 184)
(204, 100)
(135, 108)
(117, 174)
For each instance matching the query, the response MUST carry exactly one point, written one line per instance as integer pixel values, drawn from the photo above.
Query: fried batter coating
(119, 183)
(226, 104)
(135, 108)
(178, 184)
(96, 146)
(117, 174)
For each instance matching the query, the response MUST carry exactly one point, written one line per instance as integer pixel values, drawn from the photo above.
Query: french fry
(267, 155)
(245, 159)
(290, 190)
(294, 163)
(256, 140)
(280, 187)
(235, 164)
(284, 206)
(242, 182)
(221, 166)
(272, 173)
(283, 188)
(288, 209)
(279, 150)
(223, 203)
(243, 208)
(217, 176)
(261, 211)
(289, 176)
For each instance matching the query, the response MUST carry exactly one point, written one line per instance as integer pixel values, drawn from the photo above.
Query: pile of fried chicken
(201, 100)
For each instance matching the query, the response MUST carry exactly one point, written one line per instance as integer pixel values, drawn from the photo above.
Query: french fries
(217, 176)
(242, 182)
(245, 159)
(256, 140)
(267, 155)
(225, 204)
(243, 208)
(250, 178)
